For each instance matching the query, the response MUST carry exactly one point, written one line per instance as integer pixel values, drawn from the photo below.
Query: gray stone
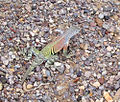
(47, 98)
(101, 15)
(48, 73)
(71, 89)
(106, 26)
(61, 68)
(88, 74)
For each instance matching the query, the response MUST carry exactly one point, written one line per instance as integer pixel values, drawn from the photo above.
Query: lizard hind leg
(65, 52)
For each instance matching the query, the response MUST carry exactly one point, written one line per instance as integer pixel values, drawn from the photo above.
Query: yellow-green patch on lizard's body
(50, 49)
(60, 42)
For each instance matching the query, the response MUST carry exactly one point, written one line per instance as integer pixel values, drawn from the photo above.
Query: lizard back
(57, 44)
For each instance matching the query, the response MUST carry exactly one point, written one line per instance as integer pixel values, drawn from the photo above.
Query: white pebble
(42, 40)
(104, 72)
(32, 34)
(13, 56)
(109, 48)
(96, 84)
(101, 15)
(10, 53)
(88, 74)
(37, 40)
(5, 61)
(2, 44)
(51, 20)
(1, 86)
(57, 64)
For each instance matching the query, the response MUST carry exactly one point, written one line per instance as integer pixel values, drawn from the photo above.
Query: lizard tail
(34, 64)
(27, 73)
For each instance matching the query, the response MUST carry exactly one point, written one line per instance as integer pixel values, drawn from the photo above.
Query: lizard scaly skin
(61, 42)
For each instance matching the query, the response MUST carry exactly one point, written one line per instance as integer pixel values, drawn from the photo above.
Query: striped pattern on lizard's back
(57, 44)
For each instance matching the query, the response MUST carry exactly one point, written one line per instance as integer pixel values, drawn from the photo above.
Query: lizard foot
(69, 55)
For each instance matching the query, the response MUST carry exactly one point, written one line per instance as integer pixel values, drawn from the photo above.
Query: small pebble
(109, 48)
(42, 40)
(99, 22)
(61, 68)
(106, 17)
(44, 72)
(13, 56)
(1, 86)
(48, 73)
(107, 96)
(57, 64)
(34, 7)
(88, 74)
(118, 37)
(106, 26)
(32, 79)
(37, 40)
(29, 86)
(96, 84)
(32, 33)
(75, 15)
(79, 73)
(84, 46)
(4, 23)
(4, 60)
(3, 80)
(101, 15)
(104, 72)
(28, 7)
(36, 30)
(51, 20)
(101, 80)
(117, 96)
(17, 66)
(71, 89)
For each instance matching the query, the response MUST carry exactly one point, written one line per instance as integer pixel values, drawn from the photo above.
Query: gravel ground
(91, 75)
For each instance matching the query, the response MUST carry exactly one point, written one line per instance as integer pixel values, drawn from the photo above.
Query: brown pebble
(117, 95)
(115, 17)
(117, 37)
(84, 46)
(92, 24)
(29, 86)
(101, 80)
(96, 84)
(107, 96)
(81, 92)
(76, 80)
(99, 22)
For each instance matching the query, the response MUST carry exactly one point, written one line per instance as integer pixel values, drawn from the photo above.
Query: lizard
(59, 43)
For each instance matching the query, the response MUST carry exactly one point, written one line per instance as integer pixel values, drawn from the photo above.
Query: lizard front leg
(65, 49)
(66, 53)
